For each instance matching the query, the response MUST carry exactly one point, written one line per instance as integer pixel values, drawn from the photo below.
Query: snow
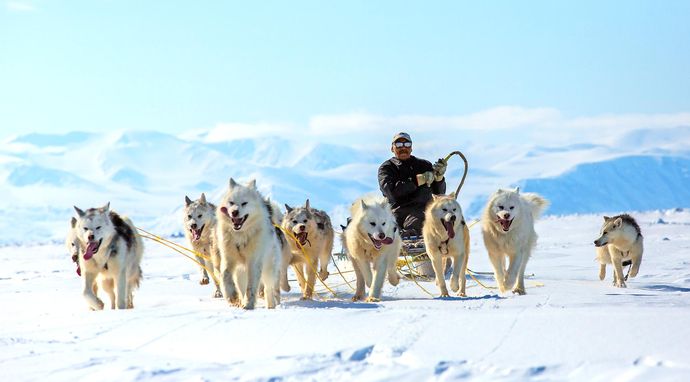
(569, 326)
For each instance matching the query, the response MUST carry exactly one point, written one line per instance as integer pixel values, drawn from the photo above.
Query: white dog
(446, 236)
(200, 231)
(372, 239)
(249, 247)
(619, 243)
(313, 230)
(108, 248)
(508, 230)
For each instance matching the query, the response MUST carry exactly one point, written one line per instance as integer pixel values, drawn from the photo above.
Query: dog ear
(434, 197)
(79, 212)
(73, 222)
(617, 223)
(517, 190)
(187, 201)
(500, 191)
(607, 218)
(363, 205)
(252, 184)
(452, 195)
(202, 199)
(232, 183)
(306, 205)
(288, 208)
(106, 207)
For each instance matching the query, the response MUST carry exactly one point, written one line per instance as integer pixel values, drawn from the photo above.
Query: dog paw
(323, 275)
(204, 281)
(357, 297)
(217, 294)
(305, 298)
(462, 294)
(445, 294)
(394, 280)
(619, 284)
(373, 299)
(519, 291)
(248, 306)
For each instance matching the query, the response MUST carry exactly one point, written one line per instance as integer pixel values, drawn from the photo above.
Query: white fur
(318, 233)
(200, 215)
(618, 241)
(114, 262)
(516, 243)
(440, 212)
(250, 253)
(372, 219)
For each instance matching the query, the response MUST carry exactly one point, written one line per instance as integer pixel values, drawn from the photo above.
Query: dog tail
(537, 202)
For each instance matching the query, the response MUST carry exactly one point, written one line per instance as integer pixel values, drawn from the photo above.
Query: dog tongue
(90, 250)
(196, 234)
(449, 229)
(387, 240)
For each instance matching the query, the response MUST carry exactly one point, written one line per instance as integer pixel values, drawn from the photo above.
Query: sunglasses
(402, 144)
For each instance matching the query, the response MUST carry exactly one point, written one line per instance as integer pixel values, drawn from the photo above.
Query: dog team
(246, 244)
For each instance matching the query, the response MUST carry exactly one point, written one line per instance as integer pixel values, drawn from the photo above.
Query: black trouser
(410, 220)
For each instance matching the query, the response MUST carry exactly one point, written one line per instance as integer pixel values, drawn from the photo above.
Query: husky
(508, 231)
(200, 231)
(249, 247)
(446, 235)
(109, 248)
(619, 243)
(314, 235)
(372, 239)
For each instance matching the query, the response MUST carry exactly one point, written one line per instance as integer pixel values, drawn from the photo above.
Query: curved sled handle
(464, 175)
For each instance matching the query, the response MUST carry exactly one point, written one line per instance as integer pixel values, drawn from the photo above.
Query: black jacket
(398, 183)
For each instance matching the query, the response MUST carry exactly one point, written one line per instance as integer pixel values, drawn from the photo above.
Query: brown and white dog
(620, 242)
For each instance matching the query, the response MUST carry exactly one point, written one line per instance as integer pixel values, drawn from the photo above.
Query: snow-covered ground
(569, 326)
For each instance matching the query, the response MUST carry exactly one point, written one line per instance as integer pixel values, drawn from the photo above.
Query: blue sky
(178, 66)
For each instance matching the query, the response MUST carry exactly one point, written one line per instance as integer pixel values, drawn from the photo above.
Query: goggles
(402, 144)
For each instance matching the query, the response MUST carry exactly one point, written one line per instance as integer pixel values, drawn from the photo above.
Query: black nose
(507, 216)
(302, 228)
(235, 213)
(596, 242)
(193, 225)
(382, 235)
(452, 218)
(91, 237)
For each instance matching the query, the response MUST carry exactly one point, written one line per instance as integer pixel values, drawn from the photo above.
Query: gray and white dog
(313, 231)
(108, 248)
(200, 231)
(620, 243)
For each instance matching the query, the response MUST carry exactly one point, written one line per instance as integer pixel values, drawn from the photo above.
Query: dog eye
(99, 227)
(304, 221)
(604, 233)
(500, 207)
(189, 216)
(294, 222)
(86, 229)
(444, 209)
(512, 207)
(199, 216)
(384, 223)
(372, 224)
(244, 204)
(231, 203)
(455, 209)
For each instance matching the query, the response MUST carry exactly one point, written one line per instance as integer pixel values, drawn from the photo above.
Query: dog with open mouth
(508, 232)
(249, 247)
(314, 235)
(200, 230)
(446, 236)
(372, 242)
(107, 249)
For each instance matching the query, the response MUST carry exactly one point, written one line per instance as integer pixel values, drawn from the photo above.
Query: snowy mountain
(147, 174)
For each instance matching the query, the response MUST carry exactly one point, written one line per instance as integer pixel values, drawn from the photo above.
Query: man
(408, 182)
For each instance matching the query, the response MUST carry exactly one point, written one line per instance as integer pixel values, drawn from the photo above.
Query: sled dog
(619, 243)
(313, 230)
(446, 236)
(109, 248)
(250, 252)
(508, 231)
(200, 231)
(372, 240)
